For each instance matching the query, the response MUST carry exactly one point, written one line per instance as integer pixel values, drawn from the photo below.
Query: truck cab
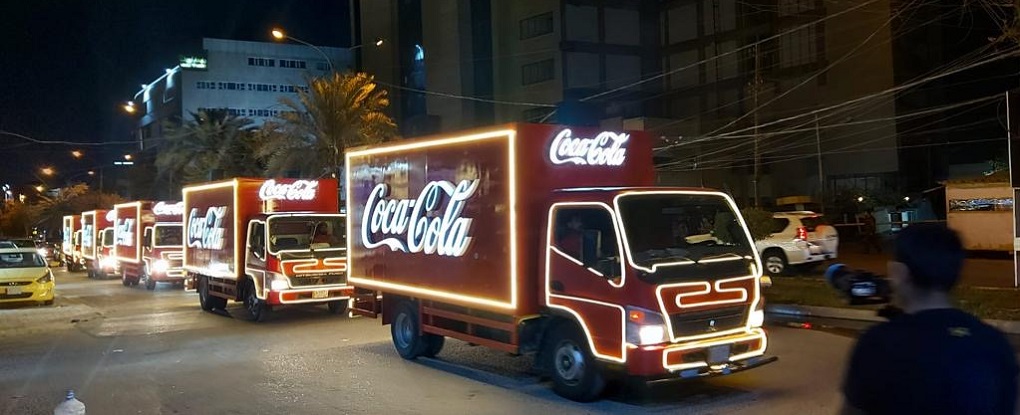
(162, 254)
(676, 269)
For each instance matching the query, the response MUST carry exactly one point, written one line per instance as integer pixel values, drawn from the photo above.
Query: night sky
(68, 65)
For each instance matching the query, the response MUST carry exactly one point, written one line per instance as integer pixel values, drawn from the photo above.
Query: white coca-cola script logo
(86, 236)
(299, 190)
(124, 232)
(414, 226)
(168, 209)
(207, 232)
(111, 215)
(606, 149)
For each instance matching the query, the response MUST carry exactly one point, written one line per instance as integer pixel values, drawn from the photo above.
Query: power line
(61, 142)
(465, 97)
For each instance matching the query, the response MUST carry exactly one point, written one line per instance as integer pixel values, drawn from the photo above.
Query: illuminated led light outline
(138, 234)
(708, 288)
(96, 235)
(305, 266)
(67, 238)
(669, 323)
(754, 335)
(757, 267)
(511, 137)
(315, 300)
(168, 208)
(729, 201)
(548, 283)
(237, 260)
(272, 216)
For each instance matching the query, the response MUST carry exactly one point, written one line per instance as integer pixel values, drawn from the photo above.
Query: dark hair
(933, 254)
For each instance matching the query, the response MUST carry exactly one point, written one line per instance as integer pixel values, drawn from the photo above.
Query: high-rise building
(247, 79)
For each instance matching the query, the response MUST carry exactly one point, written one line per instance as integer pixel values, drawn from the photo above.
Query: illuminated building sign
(606, 149)
(207, 232)
(192, 62)
(168, 209)
(299, 190)
(413, 225)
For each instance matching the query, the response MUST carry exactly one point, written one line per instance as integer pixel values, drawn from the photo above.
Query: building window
(537, 26)
(791, 7)
(322, 66)
(534, 73)
(262, 62)
(798, 48)
(292, 64)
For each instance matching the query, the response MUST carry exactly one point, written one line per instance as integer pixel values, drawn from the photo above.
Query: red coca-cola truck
(70, 245)
(553, 240)
(97, 243)
(148, 242)
(266, 243)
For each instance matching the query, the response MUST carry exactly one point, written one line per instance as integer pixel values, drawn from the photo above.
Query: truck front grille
(324, 280)
(708, 322)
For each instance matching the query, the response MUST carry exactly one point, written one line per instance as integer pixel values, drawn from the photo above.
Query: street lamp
(127, 157)
(378, 42)
(47, 171)
(129, 107)
(279, 34)
(39, 188)
(77, 154)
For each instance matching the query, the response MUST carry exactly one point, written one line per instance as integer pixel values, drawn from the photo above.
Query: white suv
(797, 238)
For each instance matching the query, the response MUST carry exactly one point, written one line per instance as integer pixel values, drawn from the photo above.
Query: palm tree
(335, 112)
(211, 140)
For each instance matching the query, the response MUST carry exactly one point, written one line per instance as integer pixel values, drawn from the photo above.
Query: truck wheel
(124, 280)
(433, 344)
(404, 330)
(208, 302)
(254, 308)
(150, 284)
(572, 367)
(774, 261)
(337, 307)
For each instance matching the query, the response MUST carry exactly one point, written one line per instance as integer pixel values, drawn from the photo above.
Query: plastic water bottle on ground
(70, 406)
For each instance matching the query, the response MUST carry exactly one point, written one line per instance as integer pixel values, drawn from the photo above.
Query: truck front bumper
(707, 357)
(170, 275)
(310, 295)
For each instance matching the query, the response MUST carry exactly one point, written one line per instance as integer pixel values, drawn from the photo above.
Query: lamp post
(279, 34)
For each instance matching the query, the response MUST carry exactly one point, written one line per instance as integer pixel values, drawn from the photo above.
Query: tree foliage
(759, 222)
(17, 219)
(211, 140)
(338, 111)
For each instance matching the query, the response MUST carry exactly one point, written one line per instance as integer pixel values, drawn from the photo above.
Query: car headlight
(279, 283)
(160, 265)
(108, 262)
(43, 252)
(45, 278)
(645, 327)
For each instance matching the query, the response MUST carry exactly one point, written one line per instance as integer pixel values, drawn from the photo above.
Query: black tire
(774, 261)
(574, 371)
(254, 309)
(208, 301)
(124, 280)
(150, 284)
(433, 344)
(48, 302)
(404, 329)
(337, 307)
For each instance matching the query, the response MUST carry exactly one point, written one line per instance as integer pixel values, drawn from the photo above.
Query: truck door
(255, 257)
(584, 274)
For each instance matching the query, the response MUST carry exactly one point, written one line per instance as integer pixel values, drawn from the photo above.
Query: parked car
(18, 243)
(24, 277)
(798, 239)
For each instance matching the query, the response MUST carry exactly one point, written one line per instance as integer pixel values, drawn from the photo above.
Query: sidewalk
(977, 272)
(804, 312)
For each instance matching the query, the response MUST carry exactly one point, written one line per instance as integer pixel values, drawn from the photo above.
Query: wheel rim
(251, 302)
(774, 264)
(404, 331)
(569, 362)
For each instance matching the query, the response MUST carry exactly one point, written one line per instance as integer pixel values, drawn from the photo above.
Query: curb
(789, 310)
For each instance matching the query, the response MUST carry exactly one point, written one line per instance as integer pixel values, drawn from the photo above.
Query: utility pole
(821, 171)
(755, 88)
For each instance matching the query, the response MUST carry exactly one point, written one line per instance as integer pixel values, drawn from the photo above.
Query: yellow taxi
(25, 277)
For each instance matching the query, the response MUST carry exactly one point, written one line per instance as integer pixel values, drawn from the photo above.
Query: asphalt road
(131, 351)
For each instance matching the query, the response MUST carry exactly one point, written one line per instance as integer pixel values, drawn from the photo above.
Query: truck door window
(257, 240)
(587, 235)
(147, 238)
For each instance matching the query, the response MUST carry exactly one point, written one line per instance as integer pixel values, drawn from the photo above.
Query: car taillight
(802, 233)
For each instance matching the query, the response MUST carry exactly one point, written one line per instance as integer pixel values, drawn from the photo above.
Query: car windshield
(108, 237)
(169, 235)
(306, 232)
(22, 243)
(21, 260)
(682, 229)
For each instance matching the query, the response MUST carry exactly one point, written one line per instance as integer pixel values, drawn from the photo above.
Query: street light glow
(77, 154)
(47, 171)
(129, 107)
(278, 34)
(127, 157)
(92, 173)
(379, 42)
(39, 188)
(860, 198)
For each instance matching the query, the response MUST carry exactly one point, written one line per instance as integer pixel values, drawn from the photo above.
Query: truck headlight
(160, 265)
(108, 262)
(279, 283)
(645, 327)
(757, 318)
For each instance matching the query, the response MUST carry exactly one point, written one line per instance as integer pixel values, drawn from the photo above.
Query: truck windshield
(307, 232)
(108, 237)
(169, 235)
(678, 229)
